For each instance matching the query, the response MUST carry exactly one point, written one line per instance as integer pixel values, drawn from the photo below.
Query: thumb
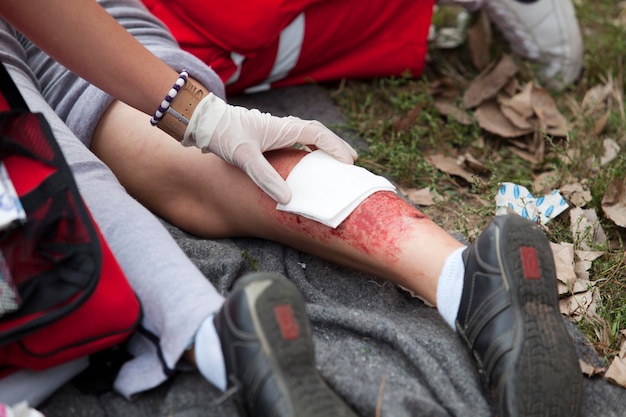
(267, 178)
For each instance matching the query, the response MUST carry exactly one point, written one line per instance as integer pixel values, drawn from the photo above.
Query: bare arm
(81, 35)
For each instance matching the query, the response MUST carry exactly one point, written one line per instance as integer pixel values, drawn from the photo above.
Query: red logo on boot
(530, 262)
(286, 322)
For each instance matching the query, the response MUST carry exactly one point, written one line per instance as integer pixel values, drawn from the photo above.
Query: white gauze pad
(326, 190)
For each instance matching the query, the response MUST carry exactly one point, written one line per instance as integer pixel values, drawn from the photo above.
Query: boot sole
(279, 316)
(546, 365)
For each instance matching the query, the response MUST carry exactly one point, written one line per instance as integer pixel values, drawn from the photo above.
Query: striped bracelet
(165, 104)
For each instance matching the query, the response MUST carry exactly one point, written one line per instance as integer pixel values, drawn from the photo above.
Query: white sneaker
(545, 31)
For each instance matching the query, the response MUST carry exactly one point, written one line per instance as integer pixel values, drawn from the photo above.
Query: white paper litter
(517, 198)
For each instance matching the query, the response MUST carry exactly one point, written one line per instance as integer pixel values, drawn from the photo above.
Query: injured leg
(500, 293)
(204, 195)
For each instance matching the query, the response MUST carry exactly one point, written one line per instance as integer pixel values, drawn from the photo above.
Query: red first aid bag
(72, 298)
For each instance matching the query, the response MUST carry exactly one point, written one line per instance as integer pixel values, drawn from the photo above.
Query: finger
(323, 138)
(267, 178)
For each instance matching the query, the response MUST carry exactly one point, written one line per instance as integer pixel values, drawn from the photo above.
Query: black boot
(509, 318)
(268, 349)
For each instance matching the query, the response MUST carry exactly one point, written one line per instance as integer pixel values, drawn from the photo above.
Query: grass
(399, 122)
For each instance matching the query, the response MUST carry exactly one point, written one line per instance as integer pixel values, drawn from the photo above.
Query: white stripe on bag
(289, 48)
(238, 60)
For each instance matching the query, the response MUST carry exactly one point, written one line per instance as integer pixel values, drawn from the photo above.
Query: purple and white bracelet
(165, 104)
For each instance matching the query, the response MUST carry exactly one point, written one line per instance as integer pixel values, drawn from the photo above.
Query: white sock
(450, 287)
(208, 352)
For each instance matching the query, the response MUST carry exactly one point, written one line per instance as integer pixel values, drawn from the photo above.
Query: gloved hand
(240, 136)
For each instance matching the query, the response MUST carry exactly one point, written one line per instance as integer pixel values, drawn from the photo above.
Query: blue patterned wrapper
(516, 198)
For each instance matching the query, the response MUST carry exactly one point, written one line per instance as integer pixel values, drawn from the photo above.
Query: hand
(240, 136)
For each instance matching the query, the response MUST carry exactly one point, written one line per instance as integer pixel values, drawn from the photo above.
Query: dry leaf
(511, 88)
(563, 254)
(521, 102)
(416, 295)
(422, 197)
(600, 99)
(522, 143)
(617, 370)
(579, 286)
(526, 156)
(569, 156)
(583, 265)
(489, 82)
(450, 166)
(611, 150)
(538, 146)
(576, 194)
(586, 230)
(515, 118)
(601, 123)
(569, 280)
(444, 87)
(491, 119)
(546, 182)
(596, 97)
(550, 119)
(474, 164)
(447, 108)
(532, 151)
(587, 257)
(479, 39)
(614, 202)
(589, 369)
(578, 305)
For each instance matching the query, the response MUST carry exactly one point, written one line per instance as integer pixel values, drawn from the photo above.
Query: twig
(381, 390)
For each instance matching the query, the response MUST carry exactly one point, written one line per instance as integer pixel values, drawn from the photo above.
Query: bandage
(326, 190)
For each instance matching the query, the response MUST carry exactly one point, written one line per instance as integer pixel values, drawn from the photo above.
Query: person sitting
(498, 293)
(254, 45)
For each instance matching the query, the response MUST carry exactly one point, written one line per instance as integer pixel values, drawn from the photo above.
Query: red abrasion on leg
(375, 227)
(378, 224)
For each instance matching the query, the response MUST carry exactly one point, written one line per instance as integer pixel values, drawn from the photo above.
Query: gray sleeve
(80, 104)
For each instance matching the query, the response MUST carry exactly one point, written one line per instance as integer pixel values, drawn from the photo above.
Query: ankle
(450, 286)
(207, 354)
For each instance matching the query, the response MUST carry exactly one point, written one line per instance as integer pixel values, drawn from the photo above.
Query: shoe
(545, 31)
(510, 320)
(269, 354)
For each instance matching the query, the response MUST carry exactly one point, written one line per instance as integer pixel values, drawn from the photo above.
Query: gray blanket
(378, 347)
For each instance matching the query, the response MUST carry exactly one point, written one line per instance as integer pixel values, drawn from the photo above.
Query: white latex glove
(240, 136)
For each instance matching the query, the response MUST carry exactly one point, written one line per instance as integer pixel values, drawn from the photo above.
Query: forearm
(87, 40)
